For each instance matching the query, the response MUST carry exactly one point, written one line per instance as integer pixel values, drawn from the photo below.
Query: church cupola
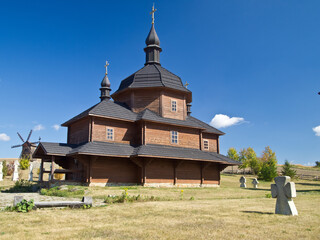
(105, 85)
(153, 48)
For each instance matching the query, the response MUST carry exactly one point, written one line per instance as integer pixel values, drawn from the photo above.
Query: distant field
(304, 172)
(228, 212)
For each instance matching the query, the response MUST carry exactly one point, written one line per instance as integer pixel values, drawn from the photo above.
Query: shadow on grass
(309, 184)
(258, 189)
(307, 190)
(268, 213)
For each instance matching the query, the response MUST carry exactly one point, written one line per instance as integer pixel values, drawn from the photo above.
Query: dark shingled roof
(189, 122)
(103, 148)
(208, 128)
(152, 75)
(182, 153)
(106, 108)
(55, 148)
(125, 150)
(110, 109)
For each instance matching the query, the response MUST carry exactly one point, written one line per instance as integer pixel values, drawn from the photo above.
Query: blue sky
(256, 60)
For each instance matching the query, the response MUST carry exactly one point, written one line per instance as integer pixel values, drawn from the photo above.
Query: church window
(173, 106)
(174, 137)
(109, 133)
(205, 144)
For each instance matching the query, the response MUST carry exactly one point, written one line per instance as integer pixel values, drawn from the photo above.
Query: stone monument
(30, 172)
(255, 183)
(1, 173)
(284, 191)
(15, 175)
(243, 182)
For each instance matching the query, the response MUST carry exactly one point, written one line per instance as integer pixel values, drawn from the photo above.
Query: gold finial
(106, 66)
(186, 84)
(152, 13)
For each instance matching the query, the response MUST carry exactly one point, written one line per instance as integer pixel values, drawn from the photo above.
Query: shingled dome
(152, 38)
(152, 75)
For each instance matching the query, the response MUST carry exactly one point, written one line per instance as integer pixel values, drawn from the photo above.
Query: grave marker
(284, 191)
(243, 182)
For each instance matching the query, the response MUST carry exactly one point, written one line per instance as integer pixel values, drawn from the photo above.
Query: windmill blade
(29, 135)
(20, 137)
(15, 146)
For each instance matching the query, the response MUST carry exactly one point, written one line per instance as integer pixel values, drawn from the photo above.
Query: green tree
(253, 161)
(232, 153)
(243, 158)
(4, 168)
(287, 170)
(249, 158)
(269, 165)
(317, 163)
(24, 163)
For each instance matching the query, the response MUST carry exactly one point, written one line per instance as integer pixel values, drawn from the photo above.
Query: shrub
(4, 168)
(124, 197)
(22, 186)
(268, 195)
(24, 163)
(269, 165)
(10, 167)
(57, 176)
(318, 164)
(287, 170)
(25, 206)
(70, 191)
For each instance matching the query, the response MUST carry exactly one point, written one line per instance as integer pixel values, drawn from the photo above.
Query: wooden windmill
(27, 147)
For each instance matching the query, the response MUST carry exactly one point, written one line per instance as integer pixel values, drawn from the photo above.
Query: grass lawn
(227, 212)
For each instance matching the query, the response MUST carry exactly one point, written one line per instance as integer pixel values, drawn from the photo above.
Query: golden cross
(186, 84)
(106, 66)
(152, 13)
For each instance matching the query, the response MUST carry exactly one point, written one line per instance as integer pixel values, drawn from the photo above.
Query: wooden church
(144, 136)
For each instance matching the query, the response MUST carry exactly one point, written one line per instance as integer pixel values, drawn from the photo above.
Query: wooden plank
(41, 171)
(52, 169)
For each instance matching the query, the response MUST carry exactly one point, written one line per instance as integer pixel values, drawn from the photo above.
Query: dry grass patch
(228, 212)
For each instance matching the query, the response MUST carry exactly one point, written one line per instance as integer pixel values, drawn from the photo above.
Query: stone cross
(243, 182)
(284, 191)
(1, 173)
(30, 172)
(15, 175)
(255, 183)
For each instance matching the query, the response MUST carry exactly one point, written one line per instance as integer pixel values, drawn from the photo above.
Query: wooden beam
(92, 160)
(41, 171)
(176, 164)
(201, 140)
(218, 145)
(90, 129)
(137, 162)
(52, 169)
(144, 177)
(132, 99)
(160, 103)
(144, 132)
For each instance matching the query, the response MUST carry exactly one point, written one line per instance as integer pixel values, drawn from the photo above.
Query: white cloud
(223, 121)
(38, 127)
(4, 137)
(56, 127)
(317, 130)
